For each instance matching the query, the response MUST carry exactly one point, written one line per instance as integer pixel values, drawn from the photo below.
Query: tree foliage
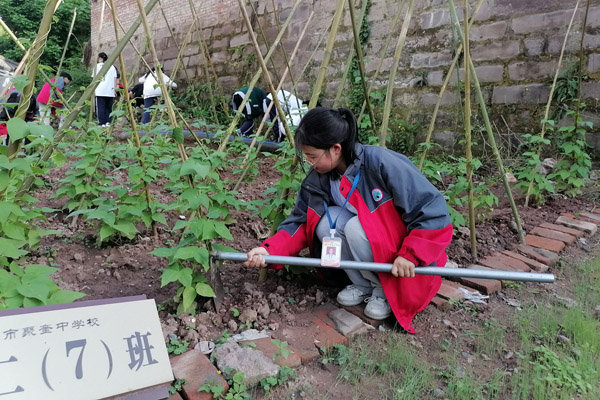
(23, 17)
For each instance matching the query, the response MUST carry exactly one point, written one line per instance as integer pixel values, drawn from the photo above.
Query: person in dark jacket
(385, 210)
(253, 108)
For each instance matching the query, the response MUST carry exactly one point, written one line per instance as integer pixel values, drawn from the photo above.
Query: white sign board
(88, 352)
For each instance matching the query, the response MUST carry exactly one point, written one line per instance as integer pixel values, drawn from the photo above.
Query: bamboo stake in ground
(488, 128)
(267, 112)
(468, 153)
(67, 42)
(342, 86)
(389, 94)
(129, 106)
(382, 57)
(337, 18)
(361, 63)
(550, 96)
(267, 75)
(161, 80)
(257, 75)
(443, 90)
(37, 49)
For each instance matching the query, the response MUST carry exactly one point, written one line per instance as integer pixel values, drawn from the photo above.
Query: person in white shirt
(152, 91)
(105, 91)
(293, 108)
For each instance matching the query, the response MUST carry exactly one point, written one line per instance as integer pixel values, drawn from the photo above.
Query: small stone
(280, 290)
(117, 275)
(563, 339)
(248, 315)
(449, 324)
(274, 326)
(439, 393)
(78, 257)
(510, 178)
(470, 357)
(597, 312)
(319, 297)
(508, 355)
(264, 311)
(232, 325)
(463, 230)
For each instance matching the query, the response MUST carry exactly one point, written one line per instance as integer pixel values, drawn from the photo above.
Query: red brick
(593, 216)
(577, 224)
(582, 217)
(441, 303)
(551, 234)
(359, 311)
(533, 264)
(544, 256)
(486, 286)
(197, 370)
(501, 261)
(563, 229)
(266, 346)
(544, 243)
(175, 396)
(309, 334)
(449, 290)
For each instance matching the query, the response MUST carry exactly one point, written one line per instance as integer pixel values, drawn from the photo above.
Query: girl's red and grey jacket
(401, 212)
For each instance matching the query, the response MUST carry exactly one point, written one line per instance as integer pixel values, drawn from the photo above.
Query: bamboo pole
(551, 95)
(262, 123)
(257, 75)
(285, 56)
(384, 50)
(67, 42)
(266, 74)
(337, 18)
(274, 69)
(443, 89)
(134, 129)
(391, 81)
(85, 96)
(488, 128)
(37, 49)
(468, 144)
(361, 62)
(580, 69)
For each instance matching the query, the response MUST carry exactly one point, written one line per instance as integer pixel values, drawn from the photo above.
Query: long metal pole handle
(380, 267)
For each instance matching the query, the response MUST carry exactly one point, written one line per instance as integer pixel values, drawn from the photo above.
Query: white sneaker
(353, 295)
(377, 308)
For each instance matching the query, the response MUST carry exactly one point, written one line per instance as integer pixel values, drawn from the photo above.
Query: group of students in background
(257, 104)
(146, 93)
(47, 105)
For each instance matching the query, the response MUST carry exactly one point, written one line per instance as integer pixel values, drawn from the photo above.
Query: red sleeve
(426, 246)
(284, 244)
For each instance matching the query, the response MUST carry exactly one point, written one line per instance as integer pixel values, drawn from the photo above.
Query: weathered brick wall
(515, 46)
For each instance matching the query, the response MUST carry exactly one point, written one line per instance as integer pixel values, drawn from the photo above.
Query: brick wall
(515, 46)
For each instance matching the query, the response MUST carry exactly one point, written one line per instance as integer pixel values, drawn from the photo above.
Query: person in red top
(48, 101)
(382, 208)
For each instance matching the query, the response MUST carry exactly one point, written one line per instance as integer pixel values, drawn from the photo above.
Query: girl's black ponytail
(323, 127)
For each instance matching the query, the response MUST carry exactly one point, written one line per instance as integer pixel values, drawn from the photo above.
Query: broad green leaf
(189, 295)
(58, 158)
(42, 130)
(223, 231)
(188, 253)
(195, 167)
(17, 128)
(169, 275)
(64, 296)
(37, 287)
(39, 270)
(178, 134)
(105, 232)
(185, 277)
(160, 218)
(126, 228)
(11, 248)
(204, 290)
(162, 252)
(20, 81)
(4, 179)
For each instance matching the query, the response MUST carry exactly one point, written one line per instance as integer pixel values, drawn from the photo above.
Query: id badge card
(331, 253)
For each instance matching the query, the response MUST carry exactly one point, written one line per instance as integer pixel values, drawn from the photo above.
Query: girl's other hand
(255, 258)
(403, 268)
